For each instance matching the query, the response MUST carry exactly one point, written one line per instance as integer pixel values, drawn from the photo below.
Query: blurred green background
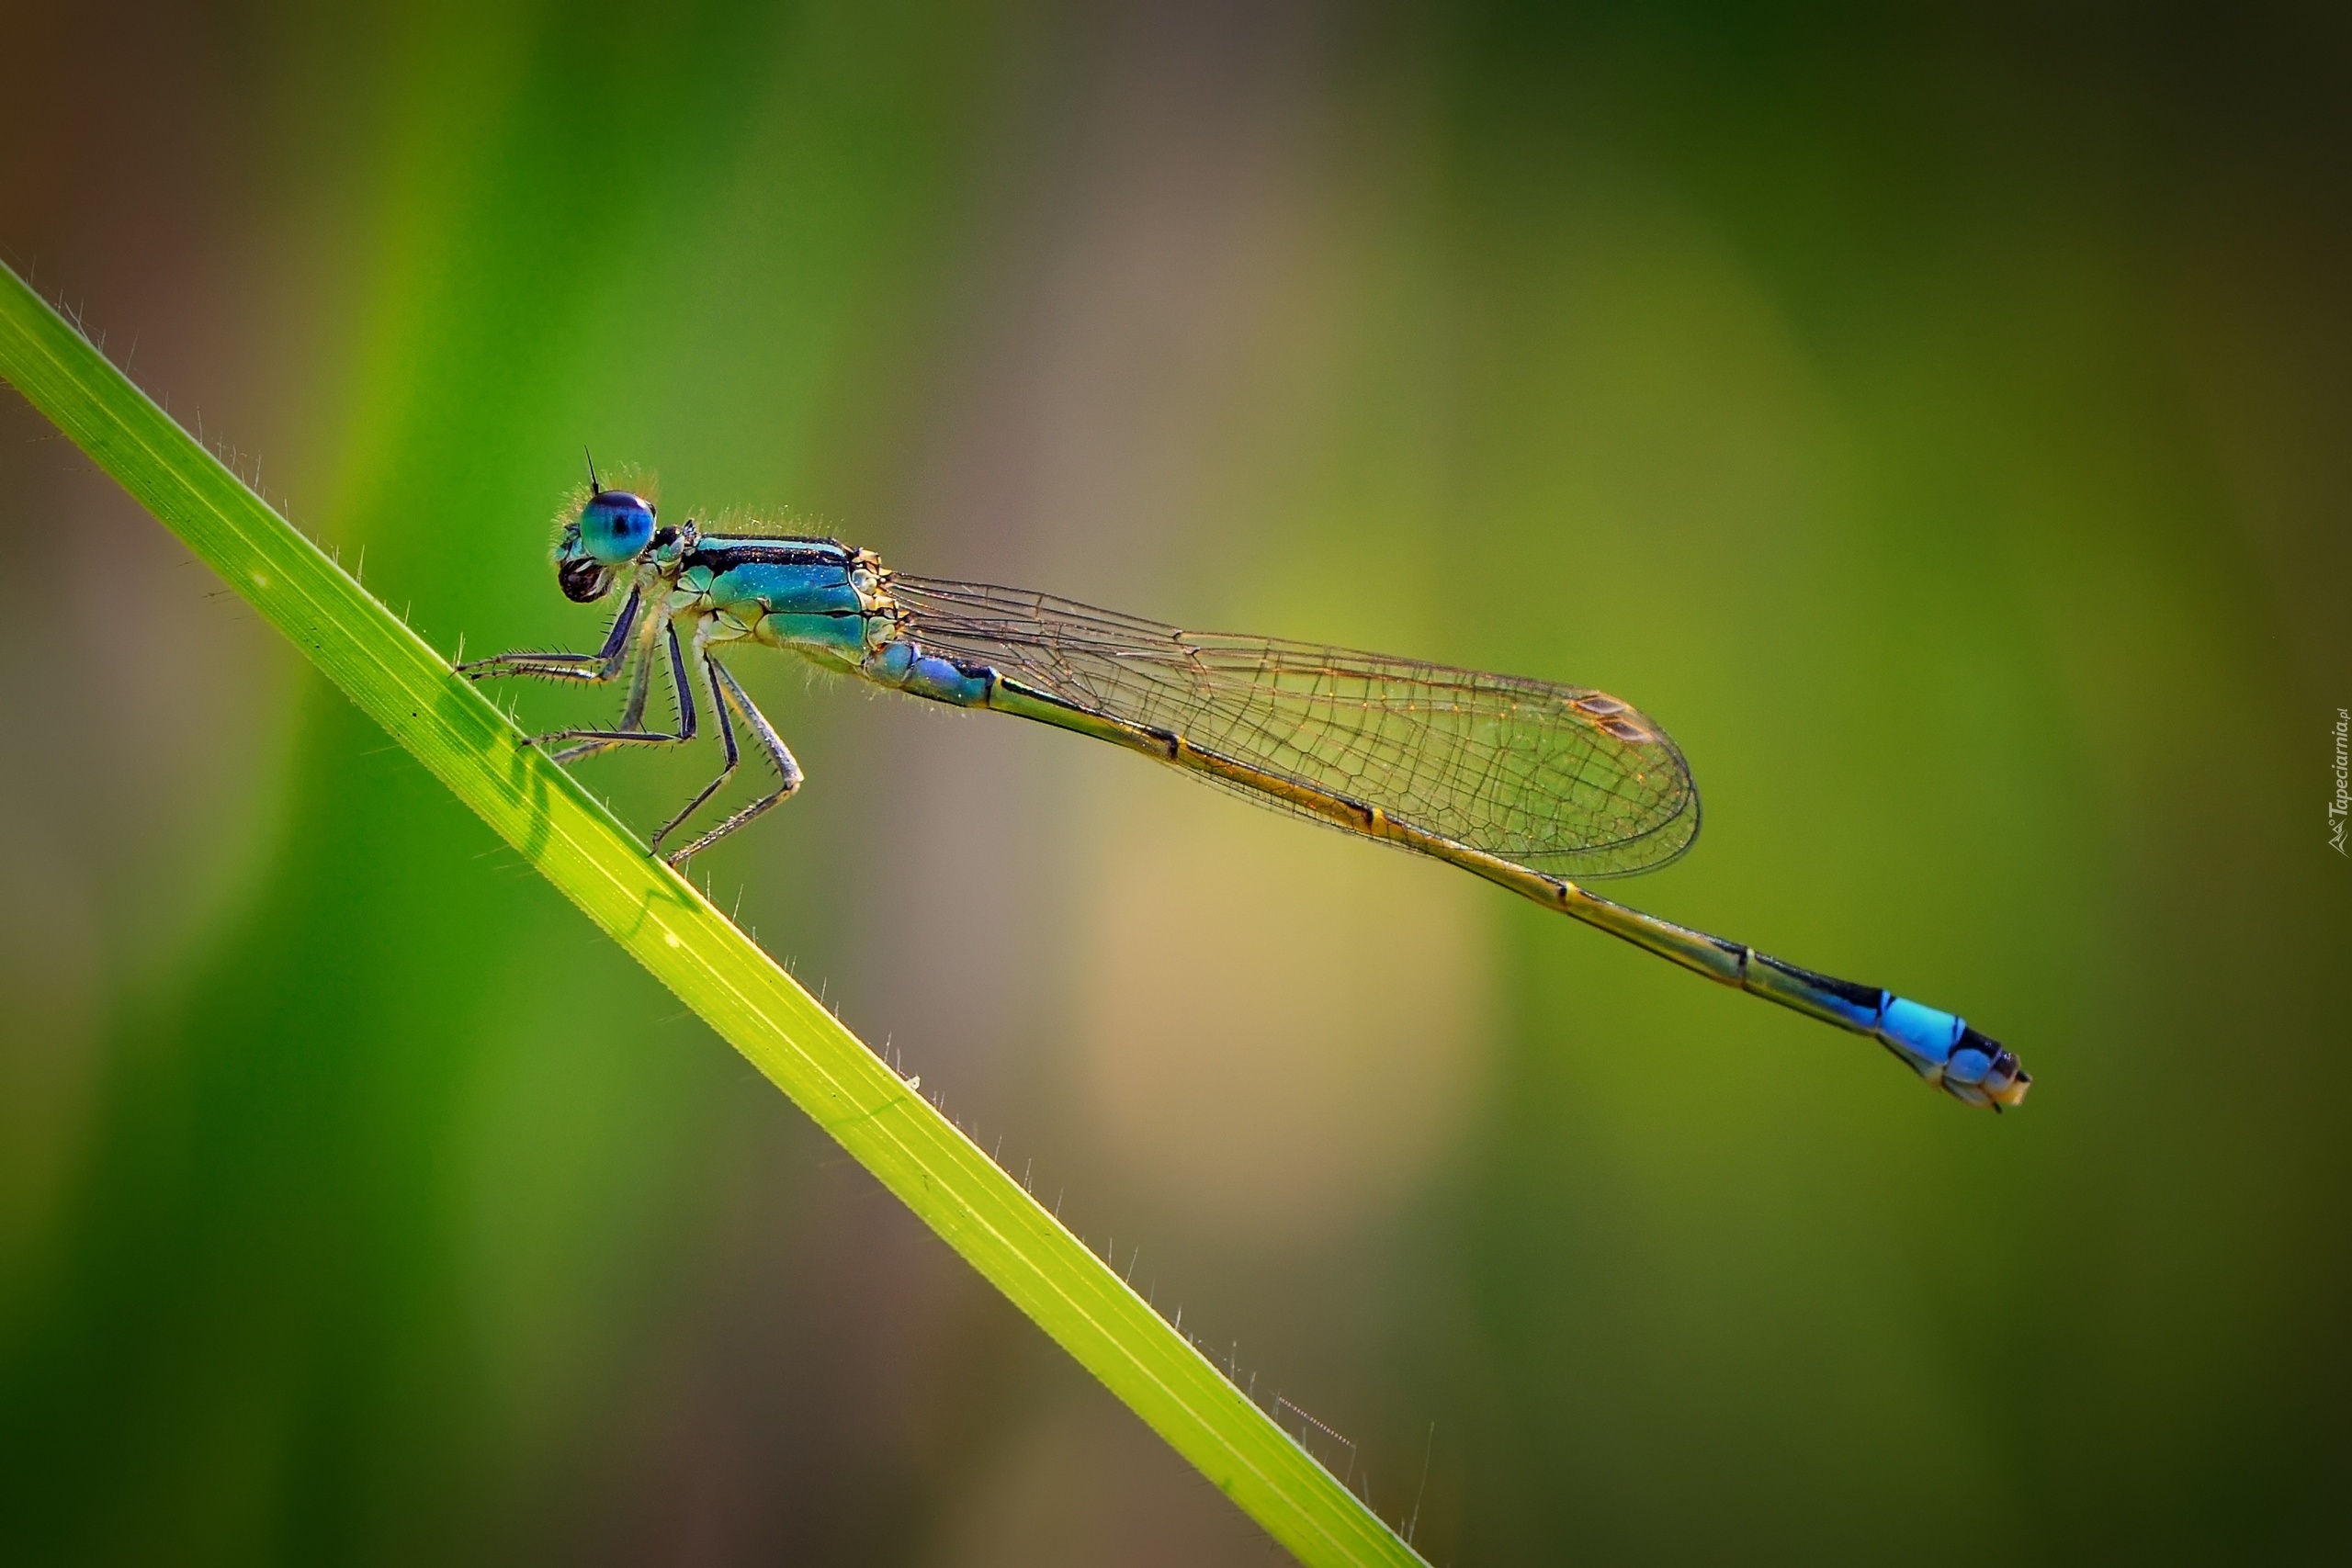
(1934, 415)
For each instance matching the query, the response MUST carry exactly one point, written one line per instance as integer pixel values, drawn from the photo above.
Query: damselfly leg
(592, 669)
(631, 729)
(726, 693)
(630, 649)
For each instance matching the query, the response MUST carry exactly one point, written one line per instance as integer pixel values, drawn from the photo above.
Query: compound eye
(615, 525)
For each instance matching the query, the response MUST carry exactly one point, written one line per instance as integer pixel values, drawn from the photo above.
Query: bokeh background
(1936, 416)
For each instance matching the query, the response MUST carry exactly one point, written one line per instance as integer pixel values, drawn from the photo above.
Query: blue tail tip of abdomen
(1970, 1067)
(1982, 1072)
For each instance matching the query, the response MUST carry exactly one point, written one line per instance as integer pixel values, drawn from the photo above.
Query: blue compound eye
(614, 526)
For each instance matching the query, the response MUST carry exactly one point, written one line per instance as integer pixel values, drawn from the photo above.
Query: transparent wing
(1560, 779)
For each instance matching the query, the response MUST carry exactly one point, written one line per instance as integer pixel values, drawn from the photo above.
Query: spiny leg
(787, 770)
(640, 686)
(592, 668)
(595, 741)
(726, 737)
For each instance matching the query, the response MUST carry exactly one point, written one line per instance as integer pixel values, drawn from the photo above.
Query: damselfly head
(615, 527)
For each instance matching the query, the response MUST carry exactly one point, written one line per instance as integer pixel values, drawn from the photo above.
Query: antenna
(593, 488)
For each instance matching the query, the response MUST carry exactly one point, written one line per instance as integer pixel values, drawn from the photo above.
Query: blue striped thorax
(817, 597)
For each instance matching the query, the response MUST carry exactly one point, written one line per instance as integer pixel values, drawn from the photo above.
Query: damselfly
(1536, 787)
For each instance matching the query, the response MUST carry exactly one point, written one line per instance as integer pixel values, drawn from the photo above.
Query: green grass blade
(662, 922)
